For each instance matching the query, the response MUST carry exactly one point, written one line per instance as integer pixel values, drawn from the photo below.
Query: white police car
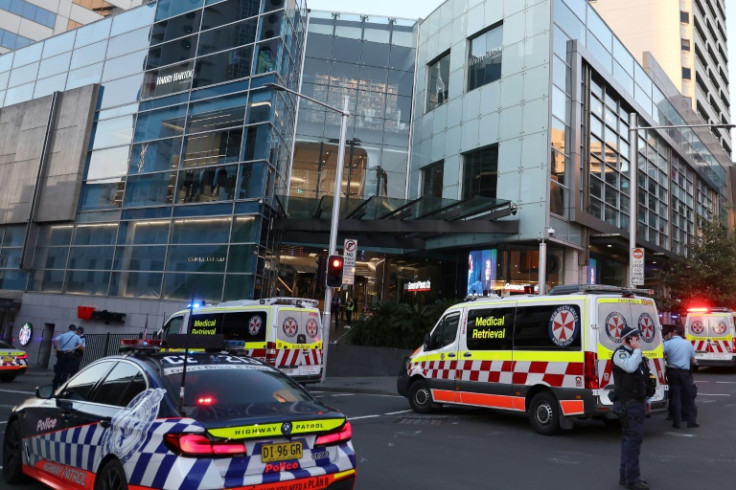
(126, 422)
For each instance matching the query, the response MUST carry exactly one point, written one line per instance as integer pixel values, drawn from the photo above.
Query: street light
(634, 185)
(344, 114)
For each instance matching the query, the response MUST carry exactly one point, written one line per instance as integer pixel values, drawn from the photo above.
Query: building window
(439, 81)
(484, 60)
(686, 74)
(432, 179)
(684, 17)
(685, 44)
(481, 172)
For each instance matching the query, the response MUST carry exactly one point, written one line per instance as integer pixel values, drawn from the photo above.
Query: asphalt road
(472, 448)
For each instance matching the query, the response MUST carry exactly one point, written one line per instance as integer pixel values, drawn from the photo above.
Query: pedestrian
(349, 307)
(630, 375)
(680, 356)
(65, 345)
(335, 309)
(79, 353)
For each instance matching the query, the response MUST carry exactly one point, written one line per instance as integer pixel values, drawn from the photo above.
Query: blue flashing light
(195, 305)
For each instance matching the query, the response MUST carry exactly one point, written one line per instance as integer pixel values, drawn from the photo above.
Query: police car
(165, 420)
(12, 362)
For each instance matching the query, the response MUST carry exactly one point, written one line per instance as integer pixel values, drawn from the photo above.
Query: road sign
(349, 253)
(637, 266)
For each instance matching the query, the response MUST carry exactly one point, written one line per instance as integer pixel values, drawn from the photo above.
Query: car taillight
(22, 356)
(271, 353)
(199, 445)
(590, 370)
(344, 434)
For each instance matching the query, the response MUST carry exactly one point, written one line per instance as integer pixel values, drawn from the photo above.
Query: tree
(706, 275)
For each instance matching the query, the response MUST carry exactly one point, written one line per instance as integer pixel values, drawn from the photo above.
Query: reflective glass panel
(242, 258)
(121, 91)
(136, 284)
(19, 94)
(206, 184)
(127, 43)
(271, 25)
(223, 66)
(93, 32)
(170, 8)
(439, 81)
(180, 286)
(154, 156)
(84, 76)
(226, 12)
(29, 54)
(88, 55)
(140, 258)
(98, 234)
(144, 232)
(211, 148)
(51, 258)
(52, 66)
(223, 112)
(104, 194)
(99, 258)
(59, 44)
(162, 123)
(256, 142)
(133, 19)
(112, 132)
(23, 75)
(244, 229)
(210, 230)
(168, 80)
(232, 35)
(48, 86)
(252, 182)
(124, 66)
(484, 58)
(104, 164)
(171, 52)
(175, 27)
(87, 282)
(149, 189)
(197, 258)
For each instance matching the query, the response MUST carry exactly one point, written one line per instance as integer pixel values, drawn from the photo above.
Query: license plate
(282, 451)
(8, 359)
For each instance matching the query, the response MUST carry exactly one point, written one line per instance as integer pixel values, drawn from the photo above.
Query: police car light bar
(130, 345)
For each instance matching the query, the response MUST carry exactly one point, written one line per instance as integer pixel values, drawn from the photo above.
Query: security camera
(550, 231)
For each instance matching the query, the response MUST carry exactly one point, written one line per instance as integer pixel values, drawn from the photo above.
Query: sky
(412, 9)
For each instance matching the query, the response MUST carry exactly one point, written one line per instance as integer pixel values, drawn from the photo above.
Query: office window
(484, 58)
(686, 74)
(439, 81)
(432, 176)
(684, 17)
(685, 44)
(481, 172)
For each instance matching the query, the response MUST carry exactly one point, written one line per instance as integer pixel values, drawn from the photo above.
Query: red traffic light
(335, 265)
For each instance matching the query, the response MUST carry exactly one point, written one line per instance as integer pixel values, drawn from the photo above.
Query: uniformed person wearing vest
(630, 377)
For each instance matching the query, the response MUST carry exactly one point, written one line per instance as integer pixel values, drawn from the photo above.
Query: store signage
(174, 77)
(418, 286)
(25, 333)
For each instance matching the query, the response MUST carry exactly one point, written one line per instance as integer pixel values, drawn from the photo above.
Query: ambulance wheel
(13, 455)
(420, 398)
(111, 477)
(544, 413)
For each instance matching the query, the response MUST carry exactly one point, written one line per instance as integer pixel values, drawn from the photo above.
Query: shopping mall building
(146, 161)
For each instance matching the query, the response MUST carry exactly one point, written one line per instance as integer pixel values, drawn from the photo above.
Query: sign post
(349, 253)
(637, 266)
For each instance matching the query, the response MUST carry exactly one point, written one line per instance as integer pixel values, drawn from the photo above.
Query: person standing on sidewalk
(630, 387)
(680, 356)
(65, 345)
(335, 309)
(79, 353)
(349, 307)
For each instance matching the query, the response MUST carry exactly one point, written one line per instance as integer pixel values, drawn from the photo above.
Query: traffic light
(335, 265)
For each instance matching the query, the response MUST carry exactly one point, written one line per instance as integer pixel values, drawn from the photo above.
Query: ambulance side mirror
(427, 340)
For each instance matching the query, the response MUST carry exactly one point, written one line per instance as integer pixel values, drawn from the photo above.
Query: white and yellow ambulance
(284, 332)
(712, 332)
(548, 357)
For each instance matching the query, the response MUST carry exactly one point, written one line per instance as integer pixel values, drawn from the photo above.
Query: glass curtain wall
(187, 151)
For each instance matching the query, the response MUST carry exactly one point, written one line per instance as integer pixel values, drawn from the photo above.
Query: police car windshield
(236, 385)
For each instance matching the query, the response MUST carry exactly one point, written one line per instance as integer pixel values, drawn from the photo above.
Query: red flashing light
(199, 445)
(205, 401)
(22, 356)
(698, 309)
(335, 265)
(344, 434)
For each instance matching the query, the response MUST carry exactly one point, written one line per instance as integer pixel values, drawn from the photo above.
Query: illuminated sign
(25, 333)
(418, 286)
(174, 77)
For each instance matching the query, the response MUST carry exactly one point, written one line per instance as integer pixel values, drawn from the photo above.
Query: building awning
(391, 223)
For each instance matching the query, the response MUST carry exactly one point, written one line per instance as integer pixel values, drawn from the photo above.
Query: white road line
(725, 382)
(396, 413)
(18, 391)
(713, 394)
(365, 417)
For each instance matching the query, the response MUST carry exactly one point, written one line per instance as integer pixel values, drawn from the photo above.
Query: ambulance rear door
(298, 341)
(712, 335)
(246, 329)
(485, 357)
(641, 313)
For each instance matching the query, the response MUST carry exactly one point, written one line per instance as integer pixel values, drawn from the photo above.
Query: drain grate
(423, 420)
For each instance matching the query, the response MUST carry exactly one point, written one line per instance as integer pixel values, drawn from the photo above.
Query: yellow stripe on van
(548, 356)
(486, 355)
(288, 345)
(631, 301)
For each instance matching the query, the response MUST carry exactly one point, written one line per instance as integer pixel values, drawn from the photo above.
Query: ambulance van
(548, 357)
(712, 333)
(284, 332)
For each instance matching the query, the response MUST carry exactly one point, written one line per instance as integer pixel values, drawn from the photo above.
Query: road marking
(18, 391)
(396, 413)
(713, 394)
(725, 382)
(8, 406)
(680, 434)
(364, 417)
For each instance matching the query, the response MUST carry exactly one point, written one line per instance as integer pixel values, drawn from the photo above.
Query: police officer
(630, 385)
(79, 353)
(65, 345)
(680, 356)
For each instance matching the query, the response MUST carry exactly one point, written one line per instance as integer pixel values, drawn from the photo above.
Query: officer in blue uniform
(630, 377)
(65, 346)
(680, 356)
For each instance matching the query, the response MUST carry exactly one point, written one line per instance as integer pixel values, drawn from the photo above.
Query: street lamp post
(634, 173)
(344, 114)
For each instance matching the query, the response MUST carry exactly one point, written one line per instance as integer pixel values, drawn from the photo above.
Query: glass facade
(185, 152)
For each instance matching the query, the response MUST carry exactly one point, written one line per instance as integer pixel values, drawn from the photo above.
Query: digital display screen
(481, 272)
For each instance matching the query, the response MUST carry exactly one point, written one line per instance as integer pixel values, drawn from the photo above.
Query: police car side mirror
(45, 392)
(64, 404)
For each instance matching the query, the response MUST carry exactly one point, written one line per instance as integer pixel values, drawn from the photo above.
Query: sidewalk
(377, 385)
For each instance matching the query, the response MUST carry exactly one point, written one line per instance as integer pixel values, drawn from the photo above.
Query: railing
(104, 344)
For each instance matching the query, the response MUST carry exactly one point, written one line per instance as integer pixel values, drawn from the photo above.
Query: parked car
(13, 362)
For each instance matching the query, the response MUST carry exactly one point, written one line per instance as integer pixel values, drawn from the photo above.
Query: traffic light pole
(326, 317)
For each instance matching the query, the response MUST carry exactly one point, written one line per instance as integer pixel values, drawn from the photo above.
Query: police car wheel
(420, 398)
(544, 414)
(12, 455)
(111, 477)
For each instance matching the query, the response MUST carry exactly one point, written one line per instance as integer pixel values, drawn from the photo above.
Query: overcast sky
(413, 9)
